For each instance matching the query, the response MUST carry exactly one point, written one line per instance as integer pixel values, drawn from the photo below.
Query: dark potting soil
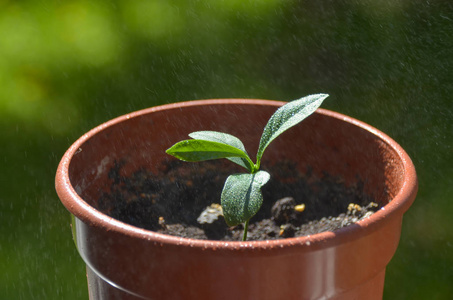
(183, 200)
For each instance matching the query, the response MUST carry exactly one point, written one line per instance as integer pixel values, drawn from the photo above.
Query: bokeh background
(67, 66)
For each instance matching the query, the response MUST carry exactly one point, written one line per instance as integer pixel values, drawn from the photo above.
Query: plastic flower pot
(126, 262)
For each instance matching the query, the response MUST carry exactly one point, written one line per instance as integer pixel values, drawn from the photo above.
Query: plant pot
(126, 262)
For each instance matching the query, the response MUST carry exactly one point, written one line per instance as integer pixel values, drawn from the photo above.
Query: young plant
(241, 195)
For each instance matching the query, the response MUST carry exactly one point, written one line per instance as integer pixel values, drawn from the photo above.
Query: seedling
(241, 196)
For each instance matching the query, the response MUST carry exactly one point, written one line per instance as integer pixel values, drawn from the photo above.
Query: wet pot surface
(127, 260)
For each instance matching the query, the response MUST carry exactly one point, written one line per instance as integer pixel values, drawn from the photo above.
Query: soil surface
(183, 200)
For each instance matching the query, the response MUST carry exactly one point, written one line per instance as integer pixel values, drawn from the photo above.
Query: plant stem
(246, 226)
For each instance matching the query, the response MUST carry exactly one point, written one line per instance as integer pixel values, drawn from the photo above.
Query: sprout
(241, 195)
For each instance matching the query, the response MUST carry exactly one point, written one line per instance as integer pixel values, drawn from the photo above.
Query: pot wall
(346, 264)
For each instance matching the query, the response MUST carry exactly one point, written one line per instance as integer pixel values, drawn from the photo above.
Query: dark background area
(67, 66)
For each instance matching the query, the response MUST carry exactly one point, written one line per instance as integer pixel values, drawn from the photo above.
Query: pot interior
(324, 142)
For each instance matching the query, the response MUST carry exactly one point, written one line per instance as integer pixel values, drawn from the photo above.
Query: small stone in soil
(284, 210)
(212, 222)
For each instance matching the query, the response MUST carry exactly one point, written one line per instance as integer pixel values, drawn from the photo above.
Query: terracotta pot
(125, 262)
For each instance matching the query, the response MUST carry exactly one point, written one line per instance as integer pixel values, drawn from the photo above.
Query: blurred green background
(67, 66)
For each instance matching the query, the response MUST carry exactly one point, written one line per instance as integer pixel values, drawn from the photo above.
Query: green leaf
(227, 139)
(198, 150)
(241, 196)
(286, 117)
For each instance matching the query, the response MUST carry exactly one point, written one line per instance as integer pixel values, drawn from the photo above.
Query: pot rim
(87, 214)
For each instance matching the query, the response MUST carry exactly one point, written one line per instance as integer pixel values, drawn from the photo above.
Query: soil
(183, 200)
